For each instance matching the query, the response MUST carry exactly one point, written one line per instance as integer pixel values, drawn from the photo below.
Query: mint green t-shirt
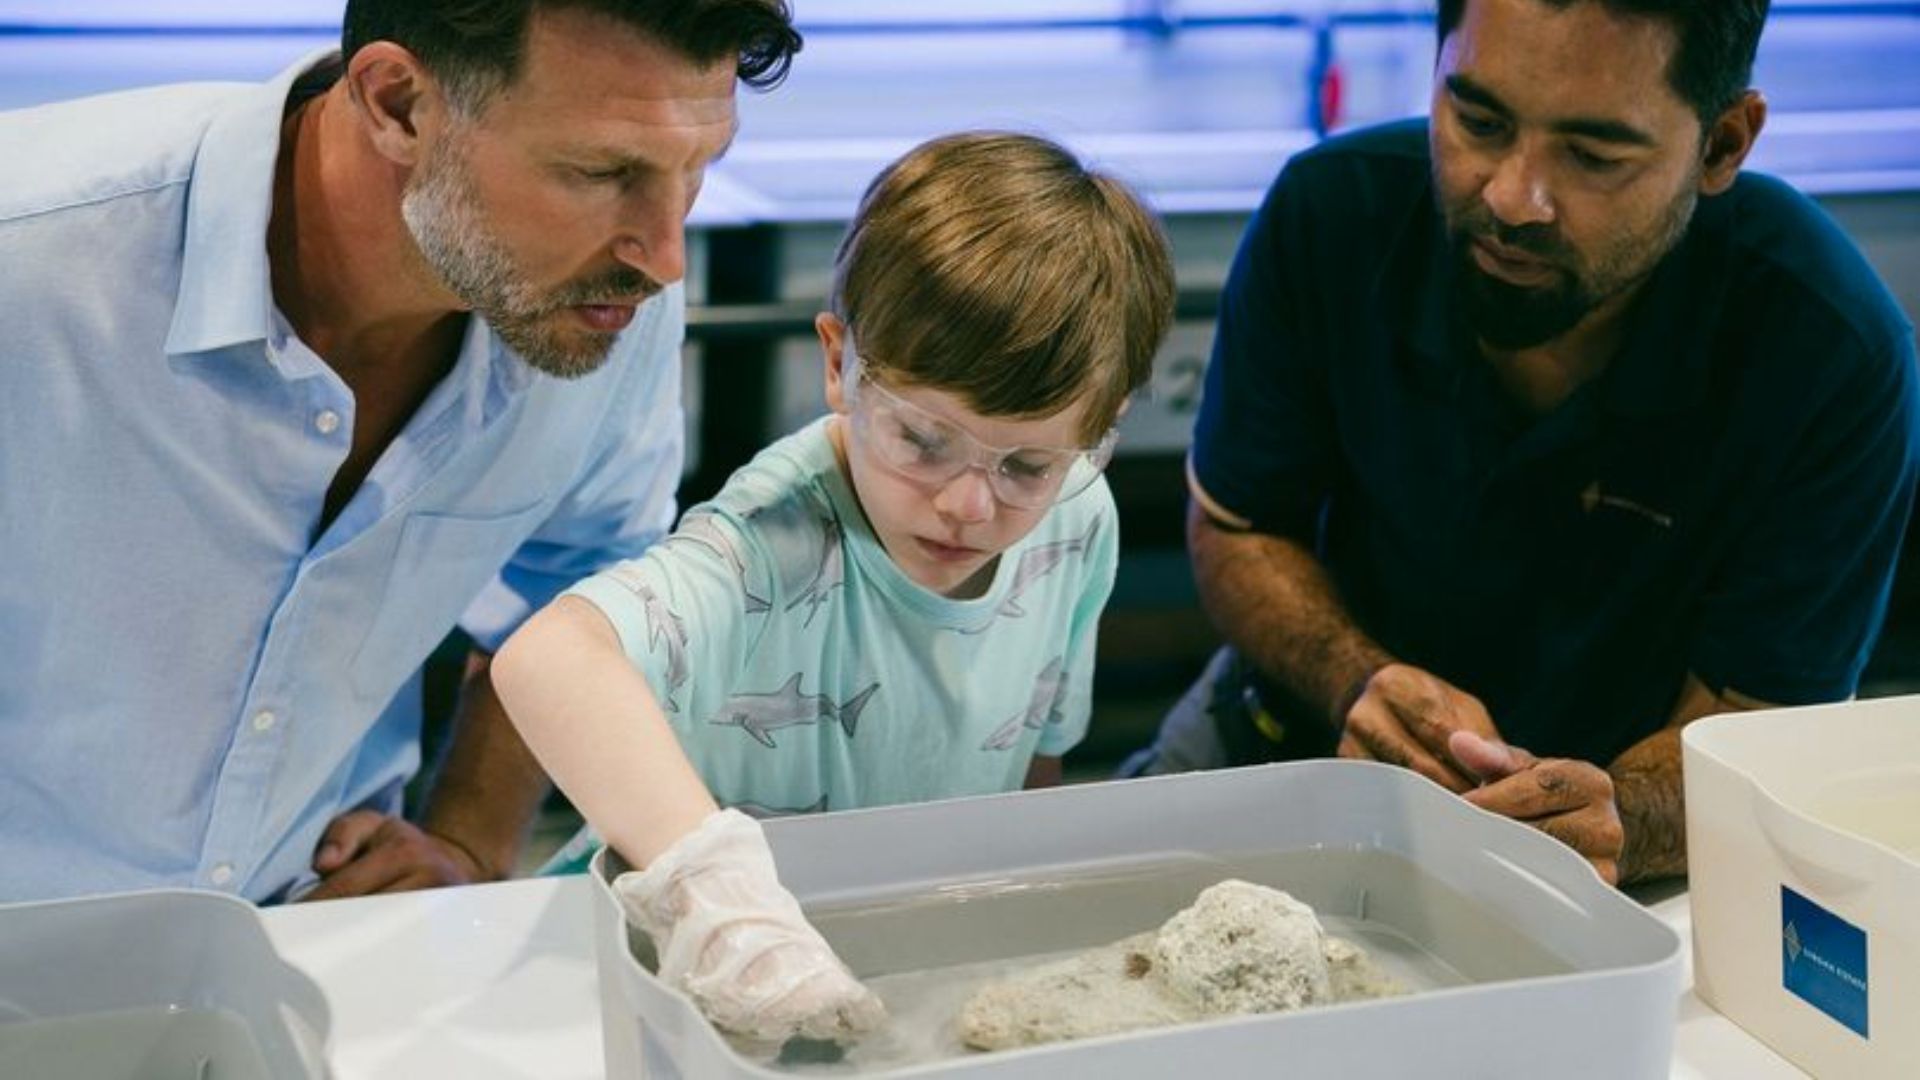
(803, 671)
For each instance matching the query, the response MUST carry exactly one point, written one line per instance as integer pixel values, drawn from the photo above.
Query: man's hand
(1571, 801)
(365, 852)
(1405, 716)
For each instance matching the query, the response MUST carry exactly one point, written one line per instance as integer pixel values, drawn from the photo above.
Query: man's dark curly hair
(475, 47)
(1714, 64)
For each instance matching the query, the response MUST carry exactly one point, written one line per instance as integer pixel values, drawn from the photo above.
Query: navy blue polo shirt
(1726, 498)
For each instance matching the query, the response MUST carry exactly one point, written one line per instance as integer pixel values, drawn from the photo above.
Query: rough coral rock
(1240, 948)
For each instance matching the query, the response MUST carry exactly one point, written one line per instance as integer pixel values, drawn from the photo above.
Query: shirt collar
(226, 293)
(1414, 291)
(1666, 355)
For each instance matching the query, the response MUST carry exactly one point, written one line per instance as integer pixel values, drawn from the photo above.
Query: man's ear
(833, 336)
(396, 100)
(1730, 139)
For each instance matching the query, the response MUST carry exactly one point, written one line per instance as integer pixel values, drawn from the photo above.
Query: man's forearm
(1272, 600)
(1648, 792)
(489, 786)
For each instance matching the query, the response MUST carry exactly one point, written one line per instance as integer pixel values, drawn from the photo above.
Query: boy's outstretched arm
(728, 933)
(594, 723)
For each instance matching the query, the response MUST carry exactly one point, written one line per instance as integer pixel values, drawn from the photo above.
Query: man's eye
(600, 176)
(1478, 126)
(1593, 162)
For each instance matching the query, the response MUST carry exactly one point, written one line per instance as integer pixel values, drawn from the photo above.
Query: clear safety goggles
(926, 449)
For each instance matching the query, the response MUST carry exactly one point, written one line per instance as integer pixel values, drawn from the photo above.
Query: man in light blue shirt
(299, 376)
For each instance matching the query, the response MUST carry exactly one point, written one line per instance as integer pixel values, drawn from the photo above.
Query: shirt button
(222, 874)
(326, 421)
(264, 720)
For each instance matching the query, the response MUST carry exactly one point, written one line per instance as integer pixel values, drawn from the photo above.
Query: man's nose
(654, 241)
(1517, 192)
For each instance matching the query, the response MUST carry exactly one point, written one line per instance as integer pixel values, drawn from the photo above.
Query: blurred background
(1197, 103)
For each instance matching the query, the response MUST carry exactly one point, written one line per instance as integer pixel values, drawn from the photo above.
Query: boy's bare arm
(707, 891)
(592, 719)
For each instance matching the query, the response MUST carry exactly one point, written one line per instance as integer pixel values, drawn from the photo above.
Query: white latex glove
(734, 939)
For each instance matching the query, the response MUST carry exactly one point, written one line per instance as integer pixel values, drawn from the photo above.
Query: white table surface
(490, 982)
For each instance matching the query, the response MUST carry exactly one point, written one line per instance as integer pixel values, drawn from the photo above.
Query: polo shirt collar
(226, 292)
(1666, 355)
(1414, 290)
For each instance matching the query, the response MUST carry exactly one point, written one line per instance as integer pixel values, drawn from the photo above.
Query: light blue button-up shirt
(193, 683)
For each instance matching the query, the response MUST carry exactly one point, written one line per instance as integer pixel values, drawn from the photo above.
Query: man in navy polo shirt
(1540, 425)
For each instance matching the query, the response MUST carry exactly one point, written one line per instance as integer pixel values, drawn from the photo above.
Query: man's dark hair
(1714, 64)
(475, 47)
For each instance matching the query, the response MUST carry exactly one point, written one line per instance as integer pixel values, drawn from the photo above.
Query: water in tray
(925, 953)
(1882, 805)
(190, 1044)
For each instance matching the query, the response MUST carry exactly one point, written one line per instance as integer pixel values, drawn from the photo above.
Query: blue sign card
(1823, 960)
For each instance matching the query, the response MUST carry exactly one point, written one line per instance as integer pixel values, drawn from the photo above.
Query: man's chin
(1508, 316)
(569, 353)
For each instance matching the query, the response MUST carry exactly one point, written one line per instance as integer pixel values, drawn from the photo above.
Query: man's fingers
(1487, 759)
(397, 856)
(1589, 834)
(1388, 742)
(412, 880)
(1426, 719)
(345, 838)
(376, 871)
(372, 863)
(1544, 790)
(1396, 754)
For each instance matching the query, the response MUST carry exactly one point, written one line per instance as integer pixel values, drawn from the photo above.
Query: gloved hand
(732, 937)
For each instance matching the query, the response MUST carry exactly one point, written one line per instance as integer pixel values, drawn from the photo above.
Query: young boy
(895, 603)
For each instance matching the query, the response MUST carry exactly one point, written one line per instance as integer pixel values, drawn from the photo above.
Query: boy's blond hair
(997, 267)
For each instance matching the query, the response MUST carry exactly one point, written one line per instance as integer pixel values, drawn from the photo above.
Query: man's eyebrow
(1600, 128)
(615, 158)
(1604, 130)
(1473, 93)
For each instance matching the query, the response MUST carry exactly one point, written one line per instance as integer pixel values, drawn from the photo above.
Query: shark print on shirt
(760, 715)
(805, 547)
(1036, 563)
(760, 812)
(1041, 708)
(700, 529)
(830, 575)
(662, 625)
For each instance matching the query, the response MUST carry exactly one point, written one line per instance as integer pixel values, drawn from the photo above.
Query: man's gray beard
(451, 230)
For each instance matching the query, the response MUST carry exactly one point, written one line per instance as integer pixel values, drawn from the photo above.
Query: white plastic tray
(1803, 841)
(1555, 970)
(150, 984)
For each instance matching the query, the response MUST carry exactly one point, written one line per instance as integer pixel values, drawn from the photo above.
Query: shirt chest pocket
(441, 564)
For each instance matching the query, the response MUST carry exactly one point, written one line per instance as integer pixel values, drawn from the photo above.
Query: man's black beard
(1508, 316)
